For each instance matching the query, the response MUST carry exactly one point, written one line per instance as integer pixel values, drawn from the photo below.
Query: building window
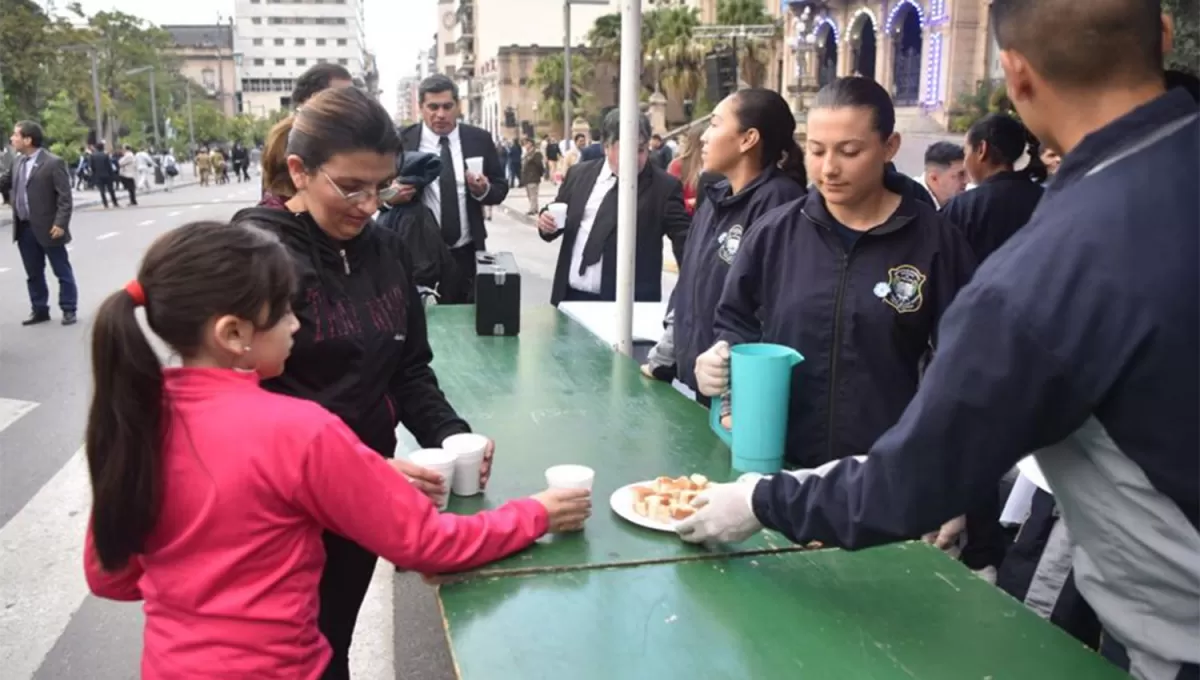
(256, 20)
(258, 62)
(258, 42)
(304, 62)
(320, 42)
(279, 42)
(280, 62)
(209, 78)
(341, 42)
(343, 62)
(321, 60)
(299, 42)
(451, 49)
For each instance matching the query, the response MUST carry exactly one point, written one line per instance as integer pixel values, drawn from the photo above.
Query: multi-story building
(205, 56)
(406, 100)
(280, 39)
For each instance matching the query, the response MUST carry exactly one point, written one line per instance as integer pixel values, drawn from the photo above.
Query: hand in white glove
(712, 370)
(726, 515)
(949, 537)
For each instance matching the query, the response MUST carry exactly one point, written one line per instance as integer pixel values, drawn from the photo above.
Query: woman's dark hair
(339, 120)
(188, 276)
(856, 92)
(1007, 139)
(766, 111)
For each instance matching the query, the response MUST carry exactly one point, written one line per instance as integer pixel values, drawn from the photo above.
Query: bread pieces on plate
(666, 499)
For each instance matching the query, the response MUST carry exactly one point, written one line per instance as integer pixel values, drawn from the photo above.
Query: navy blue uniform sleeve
(992, 394)
(736, 319)
(954, 266)
(675, 219)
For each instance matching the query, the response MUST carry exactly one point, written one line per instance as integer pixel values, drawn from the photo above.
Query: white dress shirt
(432, 196)
(26, 169)
(589, 281)
(920, 179)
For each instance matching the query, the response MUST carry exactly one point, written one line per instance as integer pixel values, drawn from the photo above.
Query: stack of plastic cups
(440, 461)
(468, 449)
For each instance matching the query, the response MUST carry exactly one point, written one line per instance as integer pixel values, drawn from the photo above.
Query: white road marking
(41, 556)
(110, 234)
(230, 196)
(145, 223)
(11, 410)
(373, 652)
(216, 200)
(197, 207)
(177, 213)
(3, 269)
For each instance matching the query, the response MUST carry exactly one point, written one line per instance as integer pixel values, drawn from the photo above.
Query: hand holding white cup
(442, 462)
(558, 211)
(475, 165)
(469, 449)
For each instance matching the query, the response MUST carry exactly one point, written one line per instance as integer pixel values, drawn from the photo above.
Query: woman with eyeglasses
(362, 350)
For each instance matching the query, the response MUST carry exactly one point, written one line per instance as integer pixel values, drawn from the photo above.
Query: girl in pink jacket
(210, 494)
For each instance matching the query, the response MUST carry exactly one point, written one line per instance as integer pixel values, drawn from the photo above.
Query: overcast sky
(396, 29)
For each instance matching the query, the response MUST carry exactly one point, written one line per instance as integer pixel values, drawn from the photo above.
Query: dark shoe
(68, 318)
(36, 318)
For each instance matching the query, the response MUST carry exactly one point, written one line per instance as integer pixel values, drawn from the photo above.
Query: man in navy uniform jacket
(1078, 341)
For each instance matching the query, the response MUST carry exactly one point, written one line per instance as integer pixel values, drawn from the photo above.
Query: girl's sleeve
(352, 491)
(121, 585)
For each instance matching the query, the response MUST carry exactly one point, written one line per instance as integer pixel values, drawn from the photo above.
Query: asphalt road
(51, 628)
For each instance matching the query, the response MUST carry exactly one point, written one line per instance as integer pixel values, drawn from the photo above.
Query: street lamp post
(187, 92)
(567, 59)
(153, 100)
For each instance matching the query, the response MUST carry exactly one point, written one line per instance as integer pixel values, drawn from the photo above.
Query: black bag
(497, 294)
(422, 237)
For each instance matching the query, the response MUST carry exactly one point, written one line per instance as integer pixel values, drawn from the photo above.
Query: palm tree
(605, 38)
(755, 54)
(548, 75)
(679, 65)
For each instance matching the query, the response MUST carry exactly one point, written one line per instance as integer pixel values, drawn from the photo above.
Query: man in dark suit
(461, 192)
(104, 174)
(41, 205)
(587, 261)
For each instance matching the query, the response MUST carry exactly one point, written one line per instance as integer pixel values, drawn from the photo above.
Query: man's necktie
(603, 226)
(448, 185)
(20, 198)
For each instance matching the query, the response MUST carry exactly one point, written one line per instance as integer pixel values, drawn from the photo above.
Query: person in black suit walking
(587, 261)
(41, 205)
(459, 196)
(104, 174)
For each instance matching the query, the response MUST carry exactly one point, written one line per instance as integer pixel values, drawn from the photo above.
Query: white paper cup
(570, 477)
(475, 165)
(468, 448)
(440, 461)
(559, 212)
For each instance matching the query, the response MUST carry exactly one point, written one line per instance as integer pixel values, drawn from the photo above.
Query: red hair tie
(134, 290)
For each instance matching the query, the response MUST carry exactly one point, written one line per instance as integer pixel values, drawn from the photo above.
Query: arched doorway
(862, 43)
(907, 40)
(827, 54)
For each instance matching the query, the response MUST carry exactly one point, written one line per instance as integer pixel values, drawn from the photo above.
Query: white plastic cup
(570, 477)
(475, 165)
(559, 212)
(440, 461)
(468, 448)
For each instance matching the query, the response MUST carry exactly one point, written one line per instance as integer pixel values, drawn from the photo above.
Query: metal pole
(631, 62)
(187, 88)
(154, 111)
(96, 95)
(566, 70)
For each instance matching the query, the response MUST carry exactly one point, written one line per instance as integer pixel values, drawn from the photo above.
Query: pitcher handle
(715, 411)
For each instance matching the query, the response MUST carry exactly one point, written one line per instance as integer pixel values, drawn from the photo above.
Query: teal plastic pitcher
(761, 387)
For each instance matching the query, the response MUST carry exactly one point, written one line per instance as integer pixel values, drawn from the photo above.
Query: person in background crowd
(127, 167)
(1051, 160)
(41, 209)
(237, 536)
(660, 154)
(318, 78)
(1003, 199)
(241, 162)
(7, 157)
(220, 165)
(514, 162)
(170, 170)
(587, 266)
(750, 140)
(593, 151)
(572, 156)
(104, 174)
(944, 176)
(145, 169)
(553, 153)
(533, 169)
(362, 350)
(83, 170)
(688, 165)
(855, 276)
(1075, 341)
(203, 165)
(465, 192)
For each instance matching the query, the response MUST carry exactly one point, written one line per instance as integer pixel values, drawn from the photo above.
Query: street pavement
(86, 198)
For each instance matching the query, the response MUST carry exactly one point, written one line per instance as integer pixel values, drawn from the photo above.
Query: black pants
(105, 185)
(461, 290)
(344, 583)
(130, 185)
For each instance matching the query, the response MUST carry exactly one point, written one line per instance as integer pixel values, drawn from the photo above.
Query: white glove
(726, 515)
(712, 370)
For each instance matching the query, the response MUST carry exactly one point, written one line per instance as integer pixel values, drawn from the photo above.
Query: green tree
(605, 38)
(65, 134)
(679, 59)
(24, 51)
(754, 54)
(548, 76)
(1186, 53)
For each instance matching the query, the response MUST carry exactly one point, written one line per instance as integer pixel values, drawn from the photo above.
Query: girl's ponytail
(276, 178)
(125, 432)
(792, 163)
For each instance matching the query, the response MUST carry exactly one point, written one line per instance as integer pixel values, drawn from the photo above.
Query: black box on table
(497, 294)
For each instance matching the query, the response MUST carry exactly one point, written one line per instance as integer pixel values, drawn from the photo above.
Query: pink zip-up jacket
(250, 480)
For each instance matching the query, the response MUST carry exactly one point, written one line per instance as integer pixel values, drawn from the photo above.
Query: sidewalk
(517, 204)
(89, 198)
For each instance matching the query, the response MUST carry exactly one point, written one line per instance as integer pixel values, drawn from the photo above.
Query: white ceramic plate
(621, 502)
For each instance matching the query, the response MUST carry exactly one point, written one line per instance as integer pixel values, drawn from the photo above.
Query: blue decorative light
(863, 11)
(933, 70)
(896, 10)
(825, 21)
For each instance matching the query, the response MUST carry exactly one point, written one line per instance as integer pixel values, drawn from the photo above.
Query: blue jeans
(34, 257)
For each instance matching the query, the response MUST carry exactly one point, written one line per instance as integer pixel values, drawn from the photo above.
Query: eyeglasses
(355, 197)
